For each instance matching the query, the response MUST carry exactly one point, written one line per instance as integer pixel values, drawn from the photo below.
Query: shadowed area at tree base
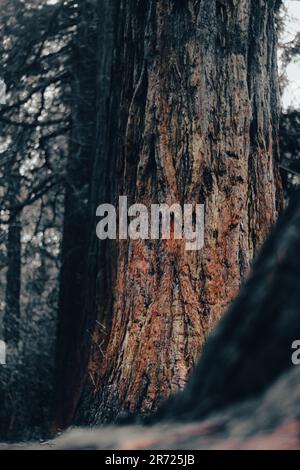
(245, 380)
(268, 422)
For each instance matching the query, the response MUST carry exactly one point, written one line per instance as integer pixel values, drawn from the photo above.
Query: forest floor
(271, 421)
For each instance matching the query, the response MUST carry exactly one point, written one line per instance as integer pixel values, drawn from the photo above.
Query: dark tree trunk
(12, 316)
(70, 358)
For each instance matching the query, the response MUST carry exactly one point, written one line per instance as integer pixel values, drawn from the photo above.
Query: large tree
(187, 111)
(69, 370)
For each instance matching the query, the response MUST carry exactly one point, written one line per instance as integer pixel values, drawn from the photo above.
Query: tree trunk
(195, 120)
(71, 362)
(11, 321)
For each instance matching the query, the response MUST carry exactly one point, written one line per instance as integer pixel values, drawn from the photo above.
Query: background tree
(70, 360)
(290, 150)
(289, 121)
(34, 124)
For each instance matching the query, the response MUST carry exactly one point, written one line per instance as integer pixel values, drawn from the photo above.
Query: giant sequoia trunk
(187, 113)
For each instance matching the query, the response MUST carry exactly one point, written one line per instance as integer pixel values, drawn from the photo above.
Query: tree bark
(252, 345)
(196, 121)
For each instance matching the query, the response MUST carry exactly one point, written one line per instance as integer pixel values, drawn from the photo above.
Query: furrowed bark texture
(195, 119)
(252, 345)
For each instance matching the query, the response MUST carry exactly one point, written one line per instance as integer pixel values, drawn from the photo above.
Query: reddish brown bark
(195, 118)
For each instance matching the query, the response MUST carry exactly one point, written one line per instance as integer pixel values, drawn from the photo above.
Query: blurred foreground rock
(271, 421)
